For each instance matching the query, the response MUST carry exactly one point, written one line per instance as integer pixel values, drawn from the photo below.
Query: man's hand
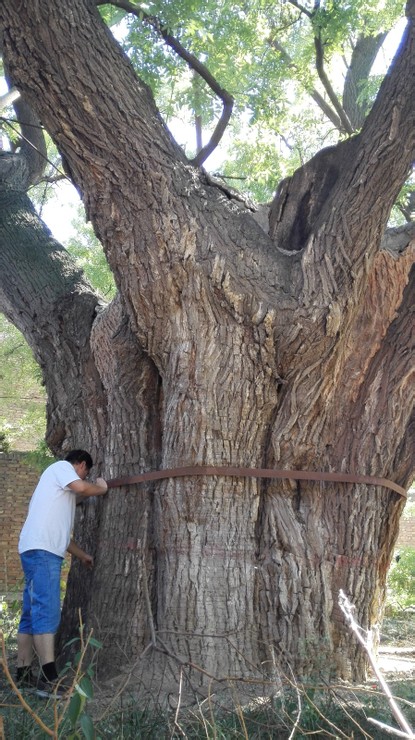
(83, 556)
(87, 560)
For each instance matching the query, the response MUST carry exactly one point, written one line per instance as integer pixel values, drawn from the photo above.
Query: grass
(398, 629)
(323, 711)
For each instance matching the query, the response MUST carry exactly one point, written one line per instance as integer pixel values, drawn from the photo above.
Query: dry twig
(347, 608)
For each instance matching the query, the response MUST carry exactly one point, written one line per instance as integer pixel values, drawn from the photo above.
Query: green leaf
(95, 643)
(85, 688)
(75, 708)
(87, 727)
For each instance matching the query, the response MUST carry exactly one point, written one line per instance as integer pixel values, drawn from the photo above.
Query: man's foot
(25, 678)
(50, 689)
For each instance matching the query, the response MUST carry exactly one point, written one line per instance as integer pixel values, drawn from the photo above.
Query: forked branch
(194, 64)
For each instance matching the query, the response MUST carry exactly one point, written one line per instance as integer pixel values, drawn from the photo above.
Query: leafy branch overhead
(194, 64)
(268, 60)
(262, 63)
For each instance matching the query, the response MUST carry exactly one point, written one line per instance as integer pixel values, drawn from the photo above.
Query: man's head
(82, 462)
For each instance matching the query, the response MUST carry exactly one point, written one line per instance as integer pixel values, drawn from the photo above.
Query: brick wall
(17, 481)
(407, 525)
(407, 533)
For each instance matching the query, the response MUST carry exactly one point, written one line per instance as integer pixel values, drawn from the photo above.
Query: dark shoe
(50, 689)
(25, 679)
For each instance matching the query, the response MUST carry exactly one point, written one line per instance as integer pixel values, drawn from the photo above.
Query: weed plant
(401, 582)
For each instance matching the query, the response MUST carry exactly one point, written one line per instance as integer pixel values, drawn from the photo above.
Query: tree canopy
(299, 74)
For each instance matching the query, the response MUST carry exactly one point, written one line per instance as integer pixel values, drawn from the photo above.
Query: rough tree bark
(226, 345)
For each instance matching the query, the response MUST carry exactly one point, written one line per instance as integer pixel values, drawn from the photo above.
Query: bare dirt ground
(397, 662)
(396, 656)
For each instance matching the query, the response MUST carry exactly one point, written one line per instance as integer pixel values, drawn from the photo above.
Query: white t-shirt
(50, 518)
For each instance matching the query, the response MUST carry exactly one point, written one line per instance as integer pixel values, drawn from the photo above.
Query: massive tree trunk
(225, 346)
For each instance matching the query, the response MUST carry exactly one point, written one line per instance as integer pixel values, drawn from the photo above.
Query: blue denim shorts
(41, 610)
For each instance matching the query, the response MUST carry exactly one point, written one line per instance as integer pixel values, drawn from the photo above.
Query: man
(44, 540)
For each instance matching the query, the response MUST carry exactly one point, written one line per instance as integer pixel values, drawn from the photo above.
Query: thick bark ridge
(226, 346)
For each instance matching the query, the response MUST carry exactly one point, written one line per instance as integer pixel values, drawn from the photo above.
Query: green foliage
(401, 580)
(323, 711)
(79, 720)
(4, 443)
(22, 416)
(261, 53)
(40, 458)
(409, 510)
(88, 253)
(404, 209)
(258, 177)
(71, 720)
(111, 14)
(398, 628)
(10, 609)
(80, 723)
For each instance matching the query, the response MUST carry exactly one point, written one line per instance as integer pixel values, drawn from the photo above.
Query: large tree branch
(358, 383)
(385, 402)
(346, 126)
(388, 137)
(351, 114)
(194, 64)
(32, 147)
(322, 104)
(44, 294)
(341, 243)
(165, 230)
(163, 225)
(363, 55)
(301, 8)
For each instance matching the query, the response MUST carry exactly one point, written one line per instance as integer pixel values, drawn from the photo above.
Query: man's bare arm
(83, 556)
(84, 488)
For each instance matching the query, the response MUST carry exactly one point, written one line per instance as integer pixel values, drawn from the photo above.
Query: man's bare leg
(45, 647)
(24, 650)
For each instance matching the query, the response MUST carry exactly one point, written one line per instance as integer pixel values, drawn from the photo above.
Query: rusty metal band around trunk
(226, 470)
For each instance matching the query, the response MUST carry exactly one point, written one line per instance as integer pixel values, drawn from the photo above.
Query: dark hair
(78, 456)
